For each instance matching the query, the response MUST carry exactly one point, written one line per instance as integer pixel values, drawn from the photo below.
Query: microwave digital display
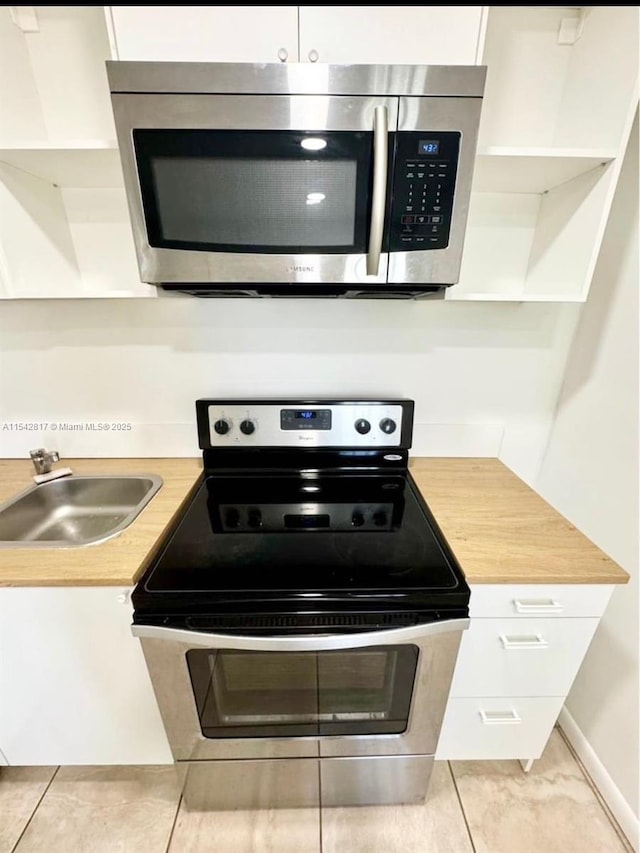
(429, 146)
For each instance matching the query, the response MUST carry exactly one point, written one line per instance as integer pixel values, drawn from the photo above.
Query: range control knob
(380, 518)
(247, 427)
(357, 519)
(362, 426)
(388, 426)
(222, 426)
(254, 518)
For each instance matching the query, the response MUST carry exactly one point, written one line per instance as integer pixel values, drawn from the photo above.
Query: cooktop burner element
(321, 519)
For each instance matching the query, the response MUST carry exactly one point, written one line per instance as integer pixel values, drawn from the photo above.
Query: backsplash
(120, 377)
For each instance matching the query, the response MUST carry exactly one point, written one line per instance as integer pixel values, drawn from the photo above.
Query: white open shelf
(65, 223)
(517, 295)
(69, 163)
(555, 122)
(534, 170)
(536, 246)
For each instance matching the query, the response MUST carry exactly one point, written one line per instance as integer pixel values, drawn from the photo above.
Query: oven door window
(289, 694)
(255, 191)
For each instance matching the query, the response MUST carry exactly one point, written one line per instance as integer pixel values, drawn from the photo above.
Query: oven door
(257, 189)
(378, 693)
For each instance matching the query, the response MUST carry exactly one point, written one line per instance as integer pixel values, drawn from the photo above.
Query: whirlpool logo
(301, 268)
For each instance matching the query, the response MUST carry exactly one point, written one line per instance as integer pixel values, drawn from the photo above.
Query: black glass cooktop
(303, 542)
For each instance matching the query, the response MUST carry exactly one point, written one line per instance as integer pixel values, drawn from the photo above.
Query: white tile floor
(472, 807)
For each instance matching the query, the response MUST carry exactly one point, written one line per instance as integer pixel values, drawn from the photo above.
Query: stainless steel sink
(75, 511)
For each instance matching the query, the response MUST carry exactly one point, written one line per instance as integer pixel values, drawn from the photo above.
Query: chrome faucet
(44, 460)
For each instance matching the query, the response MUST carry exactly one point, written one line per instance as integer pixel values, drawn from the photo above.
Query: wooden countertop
(500, 530)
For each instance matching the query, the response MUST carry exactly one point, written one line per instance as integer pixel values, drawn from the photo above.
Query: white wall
(485, 377)
(590, 473)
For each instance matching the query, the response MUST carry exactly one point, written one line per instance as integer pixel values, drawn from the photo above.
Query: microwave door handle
(379, 199)
(318, 643)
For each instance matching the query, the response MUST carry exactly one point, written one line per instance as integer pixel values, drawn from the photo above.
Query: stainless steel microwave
(297, 180)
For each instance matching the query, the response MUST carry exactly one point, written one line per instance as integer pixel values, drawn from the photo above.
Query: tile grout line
(37, 806)
(173, 825)
(319, 790)
(464, 814)
(601, 801)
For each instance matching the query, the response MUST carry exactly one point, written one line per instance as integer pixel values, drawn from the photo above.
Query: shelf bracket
(25, 18)
(571, 29)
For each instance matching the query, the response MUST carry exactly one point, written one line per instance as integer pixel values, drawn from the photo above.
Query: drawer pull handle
(523, 641)
(537, 605)
(499, 718)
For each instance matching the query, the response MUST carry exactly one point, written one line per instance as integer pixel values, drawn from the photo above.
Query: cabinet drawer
(510, 727)
(521, 657)
(547, 600)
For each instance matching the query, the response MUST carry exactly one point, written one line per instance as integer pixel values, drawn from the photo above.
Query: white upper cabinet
(206, 33)
(389, 34)
(416, 35)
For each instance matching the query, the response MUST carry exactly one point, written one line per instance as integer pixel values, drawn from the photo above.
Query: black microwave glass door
(256, 191)
(303, 694)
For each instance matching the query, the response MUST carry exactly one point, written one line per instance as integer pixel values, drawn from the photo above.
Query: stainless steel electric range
(301, 619)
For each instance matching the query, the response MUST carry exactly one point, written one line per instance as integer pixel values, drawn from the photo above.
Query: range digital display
(303, 419)
(307, 522)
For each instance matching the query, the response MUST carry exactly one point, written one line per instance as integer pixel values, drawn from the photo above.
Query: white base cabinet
(515, 667)
(74, 687)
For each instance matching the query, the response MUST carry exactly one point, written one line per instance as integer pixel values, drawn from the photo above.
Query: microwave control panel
(423, 190)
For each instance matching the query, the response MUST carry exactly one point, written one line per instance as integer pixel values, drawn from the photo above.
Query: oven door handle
(319, 643)
(379, 197)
